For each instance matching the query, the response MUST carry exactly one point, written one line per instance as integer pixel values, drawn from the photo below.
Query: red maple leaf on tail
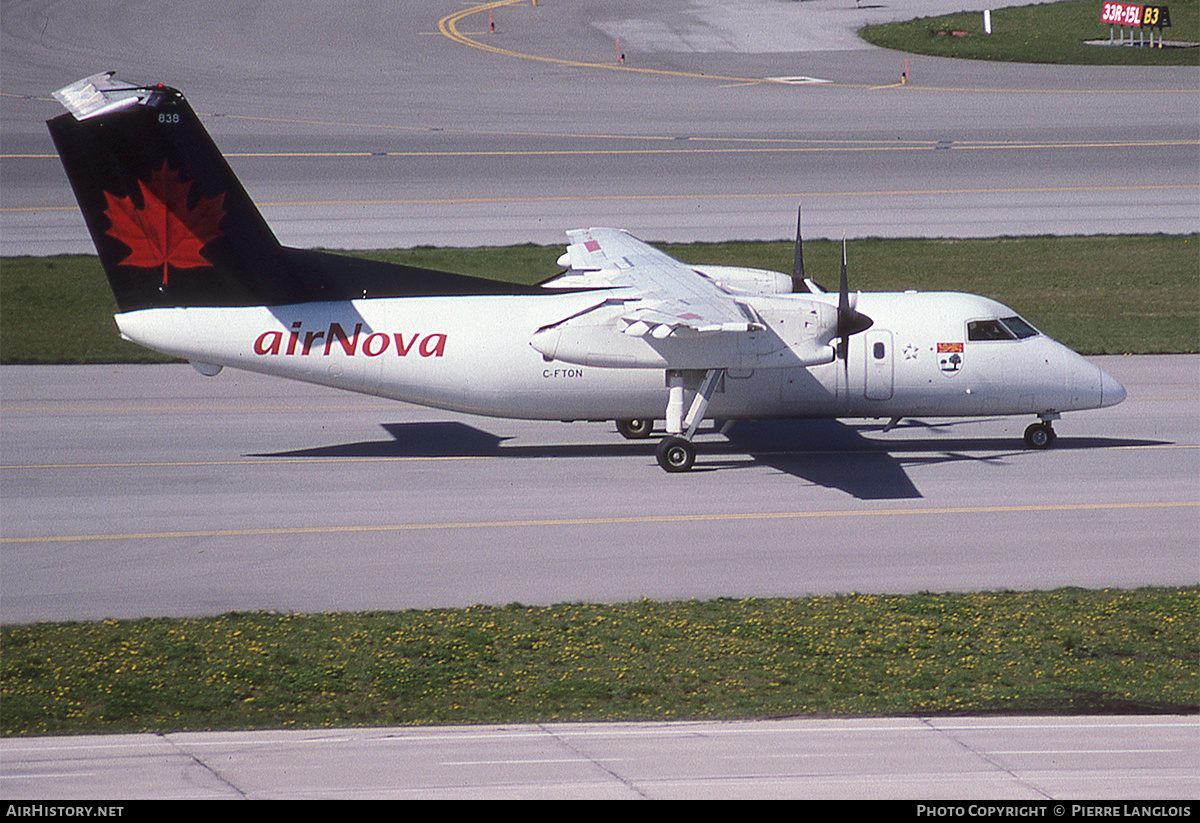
(164, 231)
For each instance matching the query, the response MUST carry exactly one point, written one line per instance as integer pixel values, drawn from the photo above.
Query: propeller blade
(849, 319)
(843, 283)
(798, 259)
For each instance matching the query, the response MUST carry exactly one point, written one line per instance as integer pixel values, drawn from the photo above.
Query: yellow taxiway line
(613, 521)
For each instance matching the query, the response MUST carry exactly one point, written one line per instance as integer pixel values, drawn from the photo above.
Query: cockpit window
(988, 330)
(1010, 328)
(1019, 327)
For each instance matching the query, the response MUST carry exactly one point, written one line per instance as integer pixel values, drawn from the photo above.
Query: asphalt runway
(403, 124)
(129, 491)
(405, 117)
(133, 491)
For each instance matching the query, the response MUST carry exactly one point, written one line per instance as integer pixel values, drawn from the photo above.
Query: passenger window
(987, 330)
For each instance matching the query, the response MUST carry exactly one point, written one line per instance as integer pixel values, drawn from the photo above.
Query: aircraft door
(879, 369)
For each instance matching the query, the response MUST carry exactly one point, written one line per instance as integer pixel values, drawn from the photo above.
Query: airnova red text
(335, 339)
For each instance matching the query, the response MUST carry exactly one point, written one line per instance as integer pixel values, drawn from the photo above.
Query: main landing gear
(676, 452)
(636, 429)
(1041, 435)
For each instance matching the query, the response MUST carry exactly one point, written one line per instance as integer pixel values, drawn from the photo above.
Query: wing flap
(666, 297)
(661, 313)
(666, 318)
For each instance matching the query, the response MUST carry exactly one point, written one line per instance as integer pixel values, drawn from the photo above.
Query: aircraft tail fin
(171, 222)
(173, 225)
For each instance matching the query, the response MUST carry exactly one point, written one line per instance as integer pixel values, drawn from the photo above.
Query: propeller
(800, 283)
(798, 259)
(849, 319)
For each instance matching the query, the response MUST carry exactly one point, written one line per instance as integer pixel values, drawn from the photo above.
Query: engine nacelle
(747, 281)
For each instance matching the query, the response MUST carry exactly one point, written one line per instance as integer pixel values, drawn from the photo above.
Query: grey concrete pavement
(1037, 760)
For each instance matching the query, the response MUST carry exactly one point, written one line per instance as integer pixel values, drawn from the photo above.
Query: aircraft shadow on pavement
(453, 439)
(827, 453)
(823, 452)
(932, 437)
(837, 455)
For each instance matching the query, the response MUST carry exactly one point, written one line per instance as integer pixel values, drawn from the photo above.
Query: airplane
(624, 333)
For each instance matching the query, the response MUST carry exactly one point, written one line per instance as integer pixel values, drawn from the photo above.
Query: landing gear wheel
(675, 454)
(636, 429)
(1039, 436)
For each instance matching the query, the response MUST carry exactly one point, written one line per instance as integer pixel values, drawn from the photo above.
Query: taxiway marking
(702, 196)
(611, 521)
(448, 27)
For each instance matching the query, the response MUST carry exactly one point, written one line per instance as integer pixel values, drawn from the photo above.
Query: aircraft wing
(670, 296)
(657, 312)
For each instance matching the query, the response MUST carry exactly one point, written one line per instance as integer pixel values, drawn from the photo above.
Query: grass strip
(1053, 652)
(1043, 33)
(1126, 294)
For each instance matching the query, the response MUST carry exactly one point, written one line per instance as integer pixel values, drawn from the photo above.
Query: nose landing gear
(636, 429)
(1041, 435)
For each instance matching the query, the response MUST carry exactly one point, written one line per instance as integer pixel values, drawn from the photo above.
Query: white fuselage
(473, 354)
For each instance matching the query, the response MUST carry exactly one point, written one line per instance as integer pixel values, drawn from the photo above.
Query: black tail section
(173, 225)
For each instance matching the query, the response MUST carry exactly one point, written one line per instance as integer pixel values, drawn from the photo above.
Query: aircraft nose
(1111, 390)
